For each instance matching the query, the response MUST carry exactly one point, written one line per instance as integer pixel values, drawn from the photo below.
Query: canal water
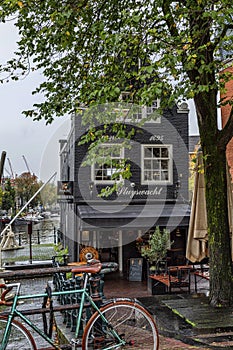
(43, 238)
(42, 243)
(42, 231)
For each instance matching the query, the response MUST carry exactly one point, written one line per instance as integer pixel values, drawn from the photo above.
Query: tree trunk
(218, 228)
(216, 204)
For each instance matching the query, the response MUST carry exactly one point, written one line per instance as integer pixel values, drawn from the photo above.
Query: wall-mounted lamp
(91, 185)
(178, 234)
(178, 184)
(177, 187)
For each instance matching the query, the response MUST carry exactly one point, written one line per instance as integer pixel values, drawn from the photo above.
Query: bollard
(54, 235)
(30, 241)
(38, 236)
(20, 240)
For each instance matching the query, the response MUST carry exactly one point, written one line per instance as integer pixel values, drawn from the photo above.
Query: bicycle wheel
(131, 322)
(20, 338)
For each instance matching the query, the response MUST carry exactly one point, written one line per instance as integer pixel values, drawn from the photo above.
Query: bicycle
(113, 324)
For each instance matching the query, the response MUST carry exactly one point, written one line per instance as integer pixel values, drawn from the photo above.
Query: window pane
(148, 152)
(147, 164)
(148, 175)
(156, 152)
(116, 152)
(164, 175)
(164, 164)
(98, 174)
(164, 152)
(156, 176)
(155, 164)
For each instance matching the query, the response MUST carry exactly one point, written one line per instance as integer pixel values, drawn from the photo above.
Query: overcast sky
(22, 136)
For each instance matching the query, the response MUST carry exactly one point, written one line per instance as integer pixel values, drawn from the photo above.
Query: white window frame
(144, 112)
(93, 168)
(151, 109)
(139, 112)
(161, 181)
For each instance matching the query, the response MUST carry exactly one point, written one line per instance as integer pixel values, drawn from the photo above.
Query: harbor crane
(7, 171)
(9, 162)
(26, 163)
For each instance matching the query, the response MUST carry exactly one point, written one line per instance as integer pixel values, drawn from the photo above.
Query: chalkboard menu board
(135, 269)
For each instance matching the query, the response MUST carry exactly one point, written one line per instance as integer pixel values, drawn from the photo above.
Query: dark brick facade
(172, 130)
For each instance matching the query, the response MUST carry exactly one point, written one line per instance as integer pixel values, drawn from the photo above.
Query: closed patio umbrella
(196, 249)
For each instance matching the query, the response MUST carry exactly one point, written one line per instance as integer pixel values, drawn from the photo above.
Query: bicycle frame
(14, 312)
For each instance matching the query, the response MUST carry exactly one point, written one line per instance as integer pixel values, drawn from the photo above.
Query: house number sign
(156, 138)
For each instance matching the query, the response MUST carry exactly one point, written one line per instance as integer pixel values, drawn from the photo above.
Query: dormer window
(149, 113)
(135, 113)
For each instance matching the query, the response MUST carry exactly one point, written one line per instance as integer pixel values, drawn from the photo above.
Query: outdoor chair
(179, 279)
(201, 272)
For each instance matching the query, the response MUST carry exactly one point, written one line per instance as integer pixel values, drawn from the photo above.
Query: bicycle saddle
(93, 266)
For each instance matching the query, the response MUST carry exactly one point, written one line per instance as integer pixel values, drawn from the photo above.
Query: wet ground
(134, 289)
(174, 331)
(172, 315)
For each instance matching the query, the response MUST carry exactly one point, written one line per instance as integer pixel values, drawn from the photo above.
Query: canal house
(155, 195)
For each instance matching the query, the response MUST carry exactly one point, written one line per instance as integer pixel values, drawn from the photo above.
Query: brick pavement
(37, 285)
(121, 288)
(174, 344)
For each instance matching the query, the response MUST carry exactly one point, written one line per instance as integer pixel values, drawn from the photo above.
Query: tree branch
(221, 35)
(169, 18)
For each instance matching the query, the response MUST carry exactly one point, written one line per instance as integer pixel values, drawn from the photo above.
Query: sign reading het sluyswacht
(130, 192)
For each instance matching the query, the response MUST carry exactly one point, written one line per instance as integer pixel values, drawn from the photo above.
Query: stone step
(201, 316)
(217, 340)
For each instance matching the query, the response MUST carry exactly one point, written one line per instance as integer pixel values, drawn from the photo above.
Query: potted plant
(156, 249)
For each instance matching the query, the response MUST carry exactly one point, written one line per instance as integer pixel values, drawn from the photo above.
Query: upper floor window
(150, 110)
(156, 164)
(136, 113)
(107, 166)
